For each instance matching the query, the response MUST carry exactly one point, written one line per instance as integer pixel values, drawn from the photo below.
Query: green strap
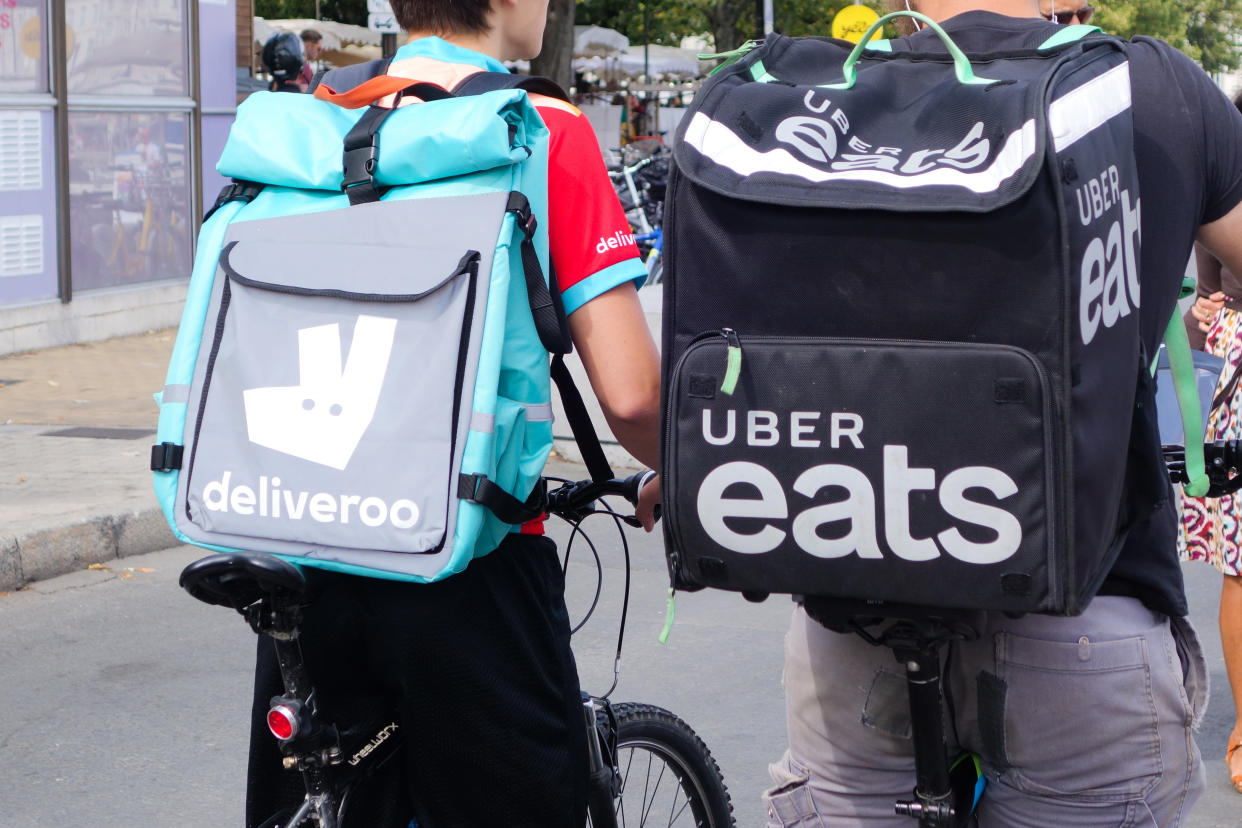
(1181, 366)
(669, 612)
(733, 370)
(1069, 34)
(731, 57)
(961, 63)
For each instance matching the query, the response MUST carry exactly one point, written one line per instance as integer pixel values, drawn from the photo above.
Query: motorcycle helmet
(283, 56)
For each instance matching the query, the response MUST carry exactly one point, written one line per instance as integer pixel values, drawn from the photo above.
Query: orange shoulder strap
(364, 94)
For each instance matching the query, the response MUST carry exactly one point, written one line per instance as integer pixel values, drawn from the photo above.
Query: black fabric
(476, 488)
(1188, 147)
(843, 311)
(482, 82)
(344, 78)
(491, 706)
(1188, 153)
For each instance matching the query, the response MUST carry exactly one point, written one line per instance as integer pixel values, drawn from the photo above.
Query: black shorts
(479, 670)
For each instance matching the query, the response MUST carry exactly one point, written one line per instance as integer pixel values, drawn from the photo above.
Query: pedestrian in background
(1211, 529)
(311, 46)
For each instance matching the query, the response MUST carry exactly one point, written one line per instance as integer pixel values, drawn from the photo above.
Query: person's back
(1078, 721)
(479, 664)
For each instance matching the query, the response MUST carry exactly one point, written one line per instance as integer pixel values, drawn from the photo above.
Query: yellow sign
(852, 22)
(31, 38)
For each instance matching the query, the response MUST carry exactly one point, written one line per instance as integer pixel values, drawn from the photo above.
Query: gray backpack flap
(901, 327)
(333, 386)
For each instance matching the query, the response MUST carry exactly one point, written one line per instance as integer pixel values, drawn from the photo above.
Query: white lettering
(799, 427)
(1133, 232)
(899, 481)
(216, 494)
(954, 501)
(846, 425)
(858, 508)
(242, 500)
(1116, 305)
(346, 502)
(295, 508)
(373, 511)
(730, 428)
(713, 507)
(411, 510)
(1091, 289)
(322, 507)
(761, 429)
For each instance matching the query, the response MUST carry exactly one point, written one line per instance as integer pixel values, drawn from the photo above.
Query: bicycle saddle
(238, 580)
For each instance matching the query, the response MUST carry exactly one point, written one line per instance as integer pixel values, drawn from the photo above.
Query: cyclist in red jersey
(479, 665)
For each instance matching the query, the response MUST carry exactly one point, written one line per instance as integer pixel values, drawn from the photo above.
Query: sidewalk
(76, 426)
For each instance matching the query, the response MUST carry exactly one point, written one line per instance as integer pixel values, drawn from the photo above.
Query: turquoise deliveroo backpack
(360, 381)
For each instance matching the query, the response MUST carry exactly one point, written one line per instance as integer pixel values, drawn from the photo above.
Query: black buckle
(359, 164)
(166, 457)
(520, 207)
(238, 191)
(528, 222)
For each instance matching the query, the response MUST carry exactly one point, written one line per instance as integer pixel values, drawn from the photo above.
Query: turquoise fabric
(485, 143)
(295, 140)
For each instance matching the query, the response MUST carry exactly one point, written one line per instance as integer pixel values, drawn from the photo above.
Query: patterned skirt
(1211, 530)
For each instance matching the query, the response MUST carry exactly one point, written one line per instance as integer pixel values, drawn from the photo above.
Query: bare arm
(623, 365)
(1223, 239)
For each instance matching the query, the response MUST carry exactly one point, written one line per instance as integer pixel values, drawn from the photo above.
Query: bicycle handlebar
(572, 500)
(1222, 462)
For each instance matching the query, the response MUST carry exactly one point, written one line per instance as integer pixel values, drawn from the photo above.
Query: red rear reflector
(282, 722)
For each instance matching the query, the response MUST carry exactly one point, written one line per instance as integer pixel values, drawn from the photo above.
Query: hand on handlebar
(648, 506)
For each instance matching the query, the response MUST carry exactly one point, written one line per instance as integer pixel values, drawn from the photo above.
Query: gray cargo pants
(1080, 721)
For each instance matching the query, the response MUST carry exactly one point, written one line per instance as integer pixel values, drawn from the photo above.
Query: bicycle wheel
(668, 776)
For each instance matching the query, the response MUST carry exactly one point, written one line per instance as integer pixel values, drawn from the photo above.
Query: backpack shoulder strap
(482, 82)
(347, 77)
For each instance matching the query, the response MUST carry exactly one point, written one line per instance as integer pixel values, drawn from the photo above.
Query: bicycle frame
(271, 594)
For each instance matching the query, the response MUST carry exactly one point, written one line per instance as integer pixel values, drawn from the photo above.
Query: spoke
(659, 779)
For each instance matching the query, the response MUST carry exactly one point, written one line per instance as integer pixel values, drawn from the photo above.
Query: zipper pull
(669, 612)
(731, 57)
(733, 362)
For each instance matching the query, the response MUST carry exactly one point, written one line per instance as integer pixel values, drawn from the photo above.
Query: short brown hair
(311, 35)
(442, 16)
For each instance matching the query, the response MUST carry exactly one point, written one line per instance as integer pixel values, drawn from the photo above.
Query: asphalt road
(123, 702)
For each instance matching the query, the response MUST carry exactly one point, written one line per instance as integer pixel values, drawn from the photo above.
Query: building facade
(112, 113)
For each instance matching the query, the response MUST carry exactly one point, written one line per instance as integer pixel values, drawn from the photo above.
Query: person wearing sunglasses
(1067, 12)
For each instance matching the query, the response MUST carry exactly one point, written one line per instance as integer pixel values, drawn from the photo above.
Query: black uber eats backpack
(901, 326)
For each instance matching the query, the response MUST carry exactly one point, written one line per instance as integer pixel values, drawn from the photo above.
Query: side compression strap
(1181, 366)
(476, 488)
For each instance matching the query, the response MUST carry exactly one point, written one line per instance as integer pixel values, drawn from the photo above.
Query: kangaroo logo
(323, 418)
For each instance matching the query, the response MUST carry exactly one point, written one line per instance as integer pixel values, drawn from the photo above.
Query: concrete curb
(58, 551)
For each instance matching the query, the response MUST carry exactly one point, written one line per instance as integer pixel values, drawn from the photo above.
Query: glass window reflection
(23, 46)
(129, 197)
(127, 47)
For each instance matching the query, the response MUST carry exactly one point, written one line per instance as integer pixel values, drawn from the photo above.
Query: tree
(555, 60)
(729, 22)
(342, 11)
(1207, 30)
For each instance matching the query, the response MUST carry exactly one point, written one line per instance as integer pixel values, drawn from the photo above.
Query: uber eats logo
(833, 510)
(322, 419)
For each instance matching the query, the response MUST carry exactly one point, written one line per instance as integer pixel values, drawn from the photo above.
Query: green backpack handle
(961, 64)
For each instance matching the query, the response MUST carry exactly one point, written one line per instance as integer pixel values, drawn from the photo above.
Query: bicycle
(645, 765)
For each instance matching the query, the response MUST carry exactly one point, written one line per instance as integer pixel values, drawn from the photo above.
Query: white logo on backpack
(323, 418)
